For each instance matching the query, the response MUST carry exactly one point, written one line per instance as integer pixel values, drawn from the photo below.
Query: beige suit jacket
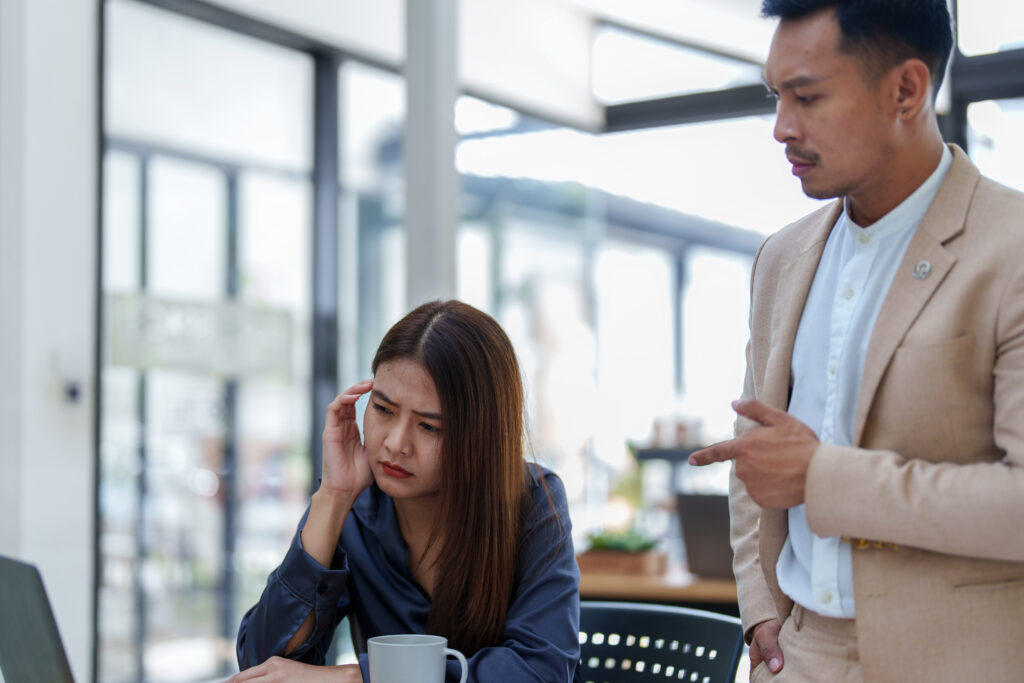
(931, 494)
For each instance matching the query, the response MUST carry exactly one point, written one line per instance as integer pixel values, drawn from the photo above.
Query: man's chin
(817, 192)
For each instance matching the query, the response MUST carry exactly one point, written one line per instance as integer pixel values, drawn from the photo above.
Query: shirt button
(321, 588)
(864, 238)
(826, 598)
(832, 368)
(848, 293)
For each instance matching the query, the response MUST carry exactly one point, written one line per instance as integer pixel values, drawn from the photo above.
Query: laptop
(30, 644)
(704, 519)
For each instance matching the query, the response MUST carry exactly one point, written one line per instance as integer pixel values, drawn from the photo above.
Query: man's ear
(911, 88)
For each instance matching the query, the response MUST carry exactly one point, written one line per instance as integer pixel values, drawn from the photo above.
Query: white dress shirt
(853, 277)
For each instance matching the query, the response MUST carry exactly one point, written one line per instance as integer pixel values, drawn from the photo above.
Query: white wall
(48, 246)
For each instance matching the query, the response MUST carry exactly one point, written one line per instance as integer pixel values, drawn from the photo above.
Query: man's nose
(786, 128)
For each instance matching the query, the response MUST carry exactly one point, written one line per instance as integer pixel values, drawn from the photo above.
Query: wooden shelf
(675, 586)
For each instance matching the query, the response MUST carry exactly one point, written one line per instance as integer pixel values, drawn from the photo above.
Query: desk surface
(674, 586)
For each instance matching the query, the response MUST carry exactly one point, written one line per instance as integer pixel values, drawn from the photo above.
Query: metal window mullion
(142, 455)
(679, 319)
(229, 466)
(324, 371)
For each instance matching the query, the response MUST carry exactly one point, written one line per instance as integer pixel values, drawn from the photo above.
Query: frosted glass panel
(187, 230)
(276, 215)
(120, 222)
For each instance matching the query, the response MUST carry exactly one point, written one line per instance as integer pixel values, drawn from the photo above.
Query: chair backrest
(632, 643)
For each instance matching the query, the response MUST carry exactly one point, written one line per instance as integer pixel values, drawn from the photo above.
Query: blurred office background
(205, 234)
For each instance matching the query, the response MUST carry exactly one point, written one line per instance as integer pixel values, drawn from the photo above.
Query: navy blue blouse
(369, 575)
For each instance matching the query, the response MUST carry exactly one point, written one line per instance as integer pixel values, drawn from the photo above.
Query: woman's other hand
(346, 471)
(279, 669)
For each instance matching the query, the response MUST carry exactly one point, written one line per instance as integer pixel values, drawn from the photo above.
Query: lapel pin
(922, 269)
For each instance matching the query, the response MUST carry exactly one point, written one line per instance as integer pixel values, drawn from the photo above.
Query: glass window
(187, 240)
(543, 302)
(995, 139)
(372, 258)
(635, 288)
(986, 26)
(698, 169)
(715, 304)
(121, 238)
(192, 86)
(570, 218)
(273, 412)
(204, 443)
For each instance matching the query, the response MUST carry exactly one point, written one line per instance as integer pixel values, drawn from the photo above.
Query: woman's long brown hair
(483, 485)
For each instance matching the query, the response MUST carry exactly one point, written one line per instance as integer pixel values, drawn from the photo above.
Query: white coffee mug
(411, 657)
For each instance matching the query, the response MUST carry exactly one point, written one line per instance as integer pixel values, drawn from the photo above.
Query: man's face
(832, 121)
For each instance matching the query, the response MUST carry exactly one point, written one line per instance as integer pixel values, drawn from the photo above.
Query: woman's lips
(393, 470)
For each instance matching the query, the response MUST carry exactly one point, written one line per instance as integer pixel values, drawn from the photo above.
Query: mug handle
(462, 661)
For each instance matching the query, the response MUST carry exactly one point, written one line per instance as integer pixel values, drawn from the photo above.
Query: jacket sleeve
(541, 637)
(299, 586)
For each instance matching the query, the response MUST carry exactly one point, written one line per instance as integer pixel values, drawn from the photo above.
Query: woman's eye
(381, 409)
(430, 428)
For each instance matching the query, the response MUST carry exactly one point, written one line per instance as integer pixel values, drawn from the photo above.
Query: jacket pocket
(989, 584)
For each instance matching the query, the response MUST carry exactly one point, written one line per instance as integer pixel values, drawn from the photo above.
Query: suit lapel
(794, 283)
(907, 294)
(795, 279)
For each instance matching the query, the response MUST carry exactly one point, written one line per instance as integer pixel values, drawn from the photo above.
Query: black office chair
(624, 642)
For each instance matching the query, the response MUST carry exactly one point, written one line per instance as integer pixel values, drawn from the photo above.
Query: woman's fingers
(281, 669)
(342, 408)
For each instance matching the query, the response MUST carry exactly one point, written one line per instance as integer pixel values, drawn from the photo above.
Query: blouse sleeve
(541, 637)
(297, 587)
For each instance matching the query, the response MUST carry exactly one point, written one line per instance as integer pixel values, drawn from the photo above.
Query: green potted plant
(621, 552)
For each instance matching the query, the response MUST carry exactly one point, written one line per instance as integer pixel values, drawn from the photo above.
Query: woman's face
(402, 430)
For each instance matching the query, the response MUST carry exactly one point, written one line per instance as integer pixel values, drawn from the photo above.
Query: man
(878, 470)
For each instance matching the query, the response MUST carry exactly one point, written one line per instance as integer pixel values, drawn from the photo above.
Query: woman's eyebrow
(384, 397)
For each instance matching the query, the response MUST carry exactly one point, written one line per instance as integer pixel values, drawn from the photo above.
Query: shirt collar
(909, 212)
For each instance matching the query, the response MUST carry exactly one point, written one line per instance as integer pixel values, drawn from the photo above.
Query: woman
(434, 524)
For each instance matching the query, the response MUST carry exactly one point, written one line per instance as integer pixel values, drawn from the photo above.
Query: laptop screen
(30, 644)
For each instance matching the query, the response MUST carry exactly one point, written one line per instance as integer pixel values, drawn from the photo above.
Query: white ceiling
(732, 27)
(532, 55)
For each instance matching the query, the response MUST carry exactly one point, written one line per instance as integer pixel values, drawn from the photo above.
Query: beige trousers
(814, 648)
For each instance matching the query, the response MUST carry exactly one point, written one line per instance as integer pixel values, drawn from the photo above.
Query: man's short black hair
(883, 33)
